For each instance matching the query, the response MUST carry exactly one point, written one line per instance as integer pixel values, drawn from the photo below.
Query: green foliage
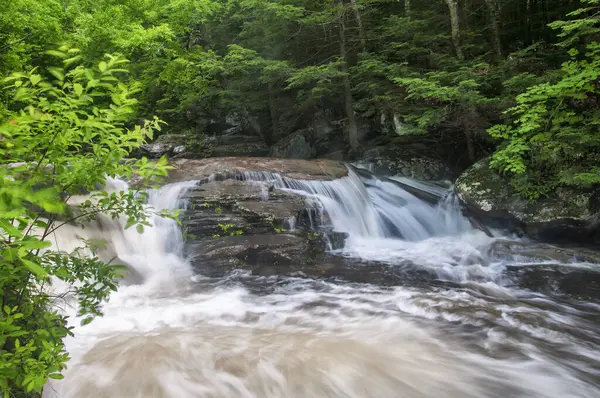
(65, 132)
(276, 64)
(227, 230)
(553, 135)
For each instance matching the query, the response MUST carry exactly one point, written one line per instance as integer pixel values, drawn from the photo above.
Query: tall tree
(455, 27)
(494, 10)
(352, 125)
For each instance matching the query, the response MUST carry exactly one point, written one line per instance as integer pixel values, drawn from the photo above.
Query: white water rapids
(177, 334)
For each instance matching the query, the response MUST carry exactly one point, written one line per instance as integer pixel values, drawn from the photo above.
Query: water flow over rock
(369, 207)
(154, 257)
(260, 337)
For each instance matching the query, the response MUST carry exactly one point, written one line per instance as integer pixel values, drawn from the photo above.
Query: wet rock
(568, 215)
(295, 146)
(231, 222)
(235, 123)
(406, 161)
(251, 252)
(230, 207)
(579, 283)
(518, 250)
(200, 169)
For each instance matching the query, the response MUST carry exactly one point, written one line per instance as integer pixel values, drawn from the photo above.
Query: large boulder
(236, 219)
(568, 215)
(167, 144)
(406, 161)
(295, 146)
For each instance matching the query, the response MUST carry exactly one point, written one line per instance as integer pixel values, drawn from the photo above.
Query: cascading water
(374, 208)
(386, 223)
(168, 334)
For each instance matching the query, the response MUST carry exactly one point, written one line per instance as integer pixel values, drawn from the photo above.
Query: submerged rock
(524, 251)
(568, 215)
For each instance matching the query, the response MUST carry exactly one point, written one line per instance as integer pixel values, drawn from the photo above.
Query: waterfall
(154, 257)
(369, 207)
(167, 334)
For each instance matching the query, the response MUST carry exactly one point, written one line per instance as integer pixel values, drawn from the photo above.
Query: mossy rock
(569, 214)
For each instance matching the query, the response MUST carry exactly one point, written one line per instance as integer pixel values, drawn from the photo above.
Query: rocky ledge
(200, 169)
(236, 223)
(569, 215)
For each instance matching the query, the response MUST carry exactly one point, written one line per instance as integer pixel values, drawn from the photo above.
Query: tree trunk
(361, 31)
(275, 135)
(493, 7)
(407, 7)
(470, 124)
(348, 101)
(528, 21)
(455, 25)
(470, 145)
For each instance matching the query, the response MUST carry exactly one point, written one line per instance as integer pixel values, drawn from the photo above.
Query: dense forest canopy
(516, 80)
(451, 67)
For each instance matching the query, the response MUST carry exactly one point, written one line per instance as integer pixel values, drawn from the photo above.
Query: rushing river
(470, 334)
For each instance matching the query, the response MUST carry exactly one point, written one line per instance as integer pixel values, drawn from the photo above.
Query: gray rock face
(403, 161)
(174, 145)
(295, 146)
(569, 215)
(231, 224)
(198, 146)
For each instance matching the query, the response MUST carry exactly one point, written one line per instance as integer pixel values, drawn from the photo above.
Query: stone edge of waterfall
(202, 169)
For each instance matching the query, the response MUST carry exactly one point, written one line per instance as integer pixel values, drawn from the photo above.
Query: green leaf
(102, 66)
(78, 88)
(35, 244)
(140, 228)
(58, 54)
(10, 229)
(35, 79)
(34, 268)
(57, 73)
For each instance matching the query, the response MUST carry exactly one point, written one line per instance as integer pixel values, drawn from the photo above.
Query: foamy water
(176, 334)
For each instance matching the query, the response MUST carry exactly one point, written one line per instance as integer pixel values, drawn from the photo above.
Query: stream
(473, 333)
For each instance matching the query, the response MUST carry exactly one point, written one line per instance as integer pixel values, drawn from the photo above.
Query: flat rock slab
(200, 169)
(248, 251)
(229, 190)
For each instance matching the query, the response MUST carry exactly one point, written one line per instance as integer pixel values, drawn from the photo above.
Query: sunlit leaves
(69, 130)
(552, 137)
